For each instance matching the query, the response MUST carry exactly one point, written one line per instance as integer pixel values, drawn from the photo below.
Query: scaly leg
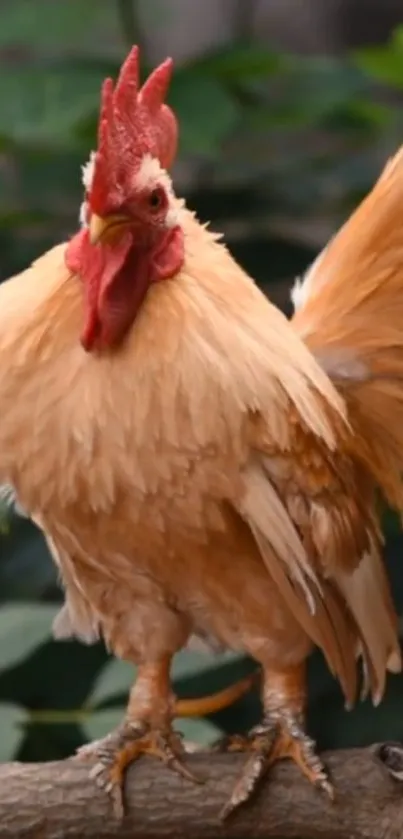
(146, 729)
(281, 734)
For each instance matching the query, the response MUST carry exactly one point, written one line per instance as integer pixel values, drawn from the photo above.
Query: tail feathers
(366, 592)
(350, 314)
(344, 606)
(314, 602)
(353, 615)
(328, 624)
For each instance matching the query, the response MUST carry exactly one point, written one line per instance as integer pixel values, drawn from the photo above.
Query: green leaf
(189, 663)
(55, 677)
(102, 722)
(71, 24)
(384, 63)
(40, 103)
(23, 627)
(240, 63)
(117, 676)
(114, 679)
(12, 719)
(200, 731)
(316, 87)
(206, 111)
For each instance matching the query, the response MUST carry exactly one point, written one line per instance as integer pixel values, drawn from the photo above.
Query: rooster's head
(130, 235)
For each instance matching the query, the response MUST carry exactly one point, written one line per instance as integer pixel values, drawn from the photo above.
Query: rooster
(200, 467)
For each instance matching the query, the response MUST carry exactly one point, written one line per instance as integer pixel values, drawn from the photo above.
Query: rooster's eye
(155, 199)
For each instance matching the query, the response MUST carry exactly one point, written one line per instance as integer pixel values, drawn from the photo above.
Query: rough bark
(57, 800)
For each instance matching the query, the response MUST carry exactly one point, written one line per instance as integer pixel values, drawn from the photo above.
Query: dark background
(288, 111)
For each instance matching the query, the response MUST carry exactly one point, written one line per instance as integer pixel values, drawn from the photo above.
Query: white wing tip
(8, 497)
(302, 287)
(297, 294)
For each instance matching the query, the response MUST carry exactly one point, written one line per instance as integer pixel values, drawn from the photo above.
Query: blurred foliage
(269, 137)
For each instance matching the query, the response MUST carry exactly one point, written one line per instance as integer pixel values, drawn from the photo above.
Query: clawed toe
(279, 736)
(118, 750)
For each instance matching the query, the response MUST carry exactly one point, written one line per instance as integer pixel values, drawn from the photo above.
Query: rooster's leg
(281, 734)
(146, 729)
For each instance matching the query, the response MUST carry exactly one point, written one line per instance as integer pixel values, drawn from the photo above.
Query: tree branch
(55, 800)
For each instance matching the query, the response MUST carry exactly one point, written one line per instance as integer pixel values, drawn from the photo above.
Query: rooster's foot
(114, 753)
(280, 735)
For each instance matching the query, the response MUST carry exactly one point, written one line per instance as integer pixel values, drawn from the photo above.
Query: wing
(311, 511)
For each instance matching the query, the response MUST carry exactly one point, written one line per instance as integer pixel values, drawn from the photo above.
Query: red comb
(133, 122)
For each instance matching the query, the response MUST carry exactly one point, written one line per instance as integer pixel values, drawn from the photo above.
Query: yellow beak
(103, 229)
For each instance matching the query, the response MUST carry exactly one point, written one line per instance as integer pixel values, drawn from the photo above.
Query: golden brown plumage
(200, 477)
(351, 319)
